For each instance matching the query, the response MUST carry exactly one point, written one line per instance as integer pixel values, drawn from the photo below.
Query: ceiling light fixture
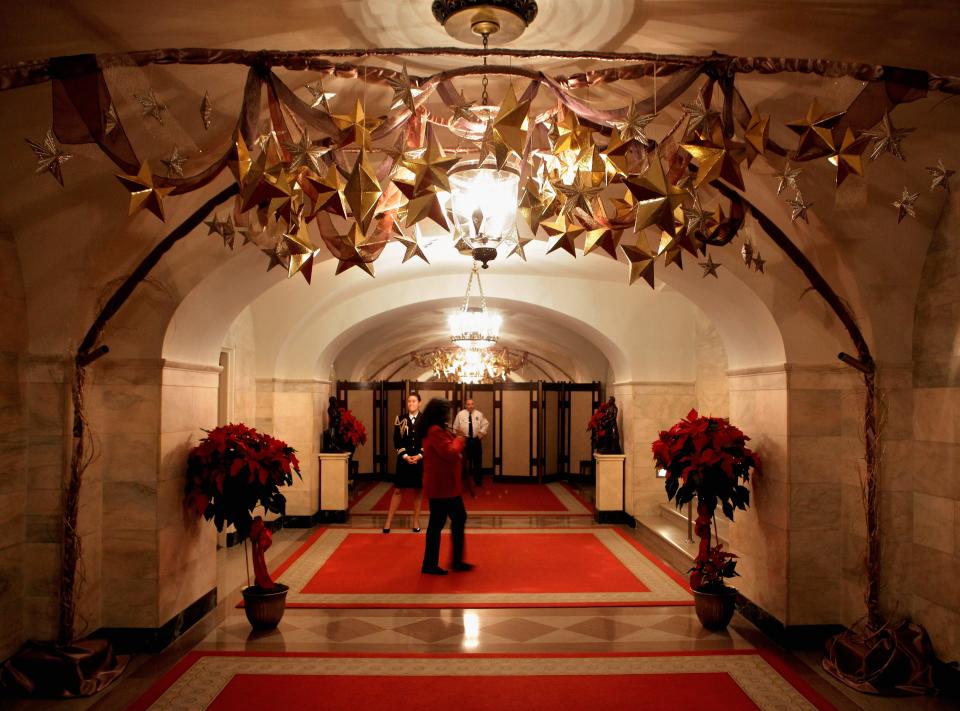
(472, 327)
(468, 20)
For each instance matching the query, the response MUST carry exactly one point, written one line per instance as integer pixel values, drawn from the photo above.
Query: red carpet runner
(515, 568)
(493, 498)
(720, 681)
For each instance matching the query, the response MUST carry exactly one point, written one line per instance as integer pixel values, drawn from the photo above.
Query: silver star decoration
(746, 251)
(152, 105)
(578, 195)
(698, 113)
(906, 205)
(412, 245)
(110, 120)
(694, 216)
(50, 156)
(799, 208)
(275, 260)
(632, 125)
(758, 262)
(305, 153)
(887, 138)
(405, 93)
(940, 176)
(463, 109)
(320, 97)
(174, 163)
(710, 268)
(222, 227)
(788, 178)
(518, 248)
(206, 111)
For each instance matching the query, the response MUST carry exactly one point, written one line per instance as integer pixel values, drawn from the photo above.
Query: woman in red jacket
(442, 485)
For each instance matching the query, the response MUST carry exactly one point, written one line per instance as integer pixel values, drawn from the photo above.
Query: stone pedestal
(334, 486)
(611, 488)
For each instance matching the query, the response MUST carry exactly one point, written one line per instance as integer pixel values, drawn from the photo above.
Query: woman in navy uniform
(406, 440)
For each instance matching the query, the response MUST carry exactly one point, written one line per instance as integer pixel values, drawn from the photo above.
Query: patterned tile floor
(501, 630)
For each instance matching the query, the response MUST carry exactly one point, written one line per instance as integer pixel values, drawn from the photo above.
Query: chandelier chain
(485, 97)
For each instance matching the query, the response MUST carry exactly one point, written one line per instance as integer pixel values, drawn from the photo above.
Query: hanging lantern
(473, 327)
(483, 206)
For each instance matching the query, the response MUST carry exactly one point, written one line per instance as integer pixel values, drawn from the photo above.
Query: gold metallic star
(641, 261)
(430, 167)
(710, 267)
(405, 92)
(815, 131)
(626, 156)
(605, 238)
(672, 250)
(50, 156)
(565, 234)
(906, 205)
(463, 109)
(264, 181)
(847, 154)
(305, 154)
(568, 135)
(788, 178)
(320, 97)
(329, 191)
(296, 250)
(151, 105)
(174, 163)
(756, 135)
(699, 115)
(206, 111)
(746, 252)
(239, 160)
(420, 205)
(655, 196)
(940, 176)
(144, 195)
(717, 156)
(352, 245)
(413, 249)
(224, 228)
(632, 125)
(887, 138)
(357, 126)
(694, 217)
(799, 208)
(362, 191)
(758, 263)
(492, 144)
(577, 196)
(511, 121)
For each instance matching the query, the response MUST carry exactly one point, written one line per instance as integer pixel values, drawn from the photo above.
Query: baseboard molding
(135, 640)
(331, 516)
(616, 517)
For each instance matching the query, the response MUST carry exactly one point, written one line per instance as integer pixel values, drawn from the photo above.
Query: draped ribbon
(261, 539)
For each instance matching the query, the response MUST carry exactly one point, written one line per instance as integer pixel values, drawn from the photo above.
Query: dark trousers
(473, 454)
(440, 510)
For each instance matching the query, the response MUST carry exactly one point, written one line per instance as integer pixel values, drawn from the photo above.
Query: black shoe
(435, 570)
(415, 530)
(386, 530)
(463, 567)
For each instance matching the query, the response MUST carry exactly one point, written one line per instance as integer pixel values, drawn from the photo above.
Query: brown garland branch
(865, 364)
(80, 459)
(26, 73)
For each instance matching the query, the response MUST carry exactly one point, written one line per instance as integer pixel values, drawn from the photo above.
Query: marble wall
(241, 341)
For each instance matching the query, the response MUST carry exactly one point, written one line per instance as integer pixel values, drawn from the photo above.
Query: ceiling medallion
(469, 20)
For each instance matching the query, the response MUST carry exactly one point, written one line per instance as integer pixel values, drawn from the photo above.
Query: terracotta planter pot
(715, 609)
(264, 608)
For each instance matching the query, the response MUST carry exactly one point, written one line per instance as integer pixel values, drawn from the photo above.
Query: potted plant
(708, 458)
(232, 471)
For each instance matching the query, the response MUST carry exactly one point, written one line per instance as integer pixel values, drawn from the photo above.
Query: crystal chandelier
(473, 327)
(457, 365)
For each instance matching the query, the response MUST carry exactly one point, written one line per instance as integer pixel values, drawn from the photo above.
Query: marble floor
(467, 631)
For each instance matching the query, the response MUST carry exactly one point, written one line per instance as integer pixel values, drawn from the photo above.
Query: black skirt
(409, 476)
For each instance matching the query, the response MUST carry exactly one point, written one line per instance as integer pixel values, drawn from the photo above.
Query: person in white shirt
(471, 423)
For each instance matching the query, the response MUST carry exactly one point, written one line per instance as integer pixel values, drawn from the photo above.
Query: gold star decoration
(758, 263)
(626, 156)
(695, 217)
(275, 260)
(717, 156)
(699, 115)
(362, 191)
(799, 208)
(847, 154)
(491, 144)
(144, 195)
(174, 164)
(296, 251)
(430, 167)
(906, 205)
(352, 244)
(564, 233)
(672, 250)
(940, 176)
(633, 124)
(305, 154)
(746, 252)
(655, 196)
(641, 261)
(405, 92)
(265, 180)
(239, 160)
(788, 178)
(110, 120)
(463, 109)
(151, 105)
(577, 196)
(887, 138)
(568, 135)
(320, 96)
(329, 191)
(710, 268)
(206, 111)
(420, 205)
(356, 126)
(224, 228)
(605, 238)
(50, 156)
(510, 123)
(756, 135)
(412, 246)
(518, 248)
(815, 131)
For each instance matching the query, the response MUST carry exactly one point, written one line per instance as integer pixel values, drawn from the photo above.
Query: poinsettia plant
(707, 458)
(352, 432)
(598, 422)
(232, 471)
